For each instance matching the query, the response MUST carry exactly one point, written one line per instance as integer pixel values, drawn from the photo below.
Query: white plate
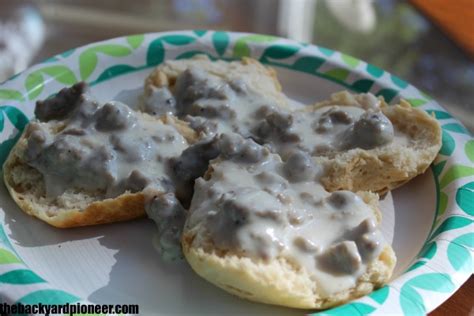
(429, 220)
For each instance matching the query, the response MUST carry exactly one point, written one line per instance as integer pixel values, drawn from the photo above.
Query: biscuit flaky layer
(384, 168)
(278, 282)
(73, 208)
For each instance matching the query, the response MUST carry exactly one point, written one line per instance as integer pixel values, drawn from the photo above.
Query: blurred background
(428, 43)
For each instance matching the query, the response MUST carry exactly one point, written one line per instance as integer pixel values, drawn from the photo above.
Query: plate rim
(452, 227)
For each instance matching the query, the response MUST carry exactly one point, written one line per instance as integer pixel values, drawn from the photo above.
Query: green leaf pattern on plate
(453, 222)
(430, 251)
(412, 302)
(241, 47)
(349, 309)
(156, 49)
(338, 74)
(438, 168)
(416, 102)
(438, 282)
(16, 117)
(326, 51)
(455, 127)
(34, 82)
(374, 71)
(459, 252)
(113, 72)
(19, 120)
(399, 82)
(178, 40)
(447, 144)
(455, 172)
(135, 40)
(220, 40)
(88, 59)
(362, 85)
(48, 296)
(67, 53)
(10, 94)
(416, 265)
(469, 149)
(465, 198)
(308, 64)
(155, 53)
(20, 276)
(200, 32)
(278, 52)
(82, 63)
(440, 115)
(443, 203)
(387, 93)
(380, 295)
(7, 257)
(350, 61)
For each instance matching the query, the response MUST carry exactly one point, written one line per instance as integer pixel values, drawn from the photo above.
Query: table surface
(390, 34)
(460, 304)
